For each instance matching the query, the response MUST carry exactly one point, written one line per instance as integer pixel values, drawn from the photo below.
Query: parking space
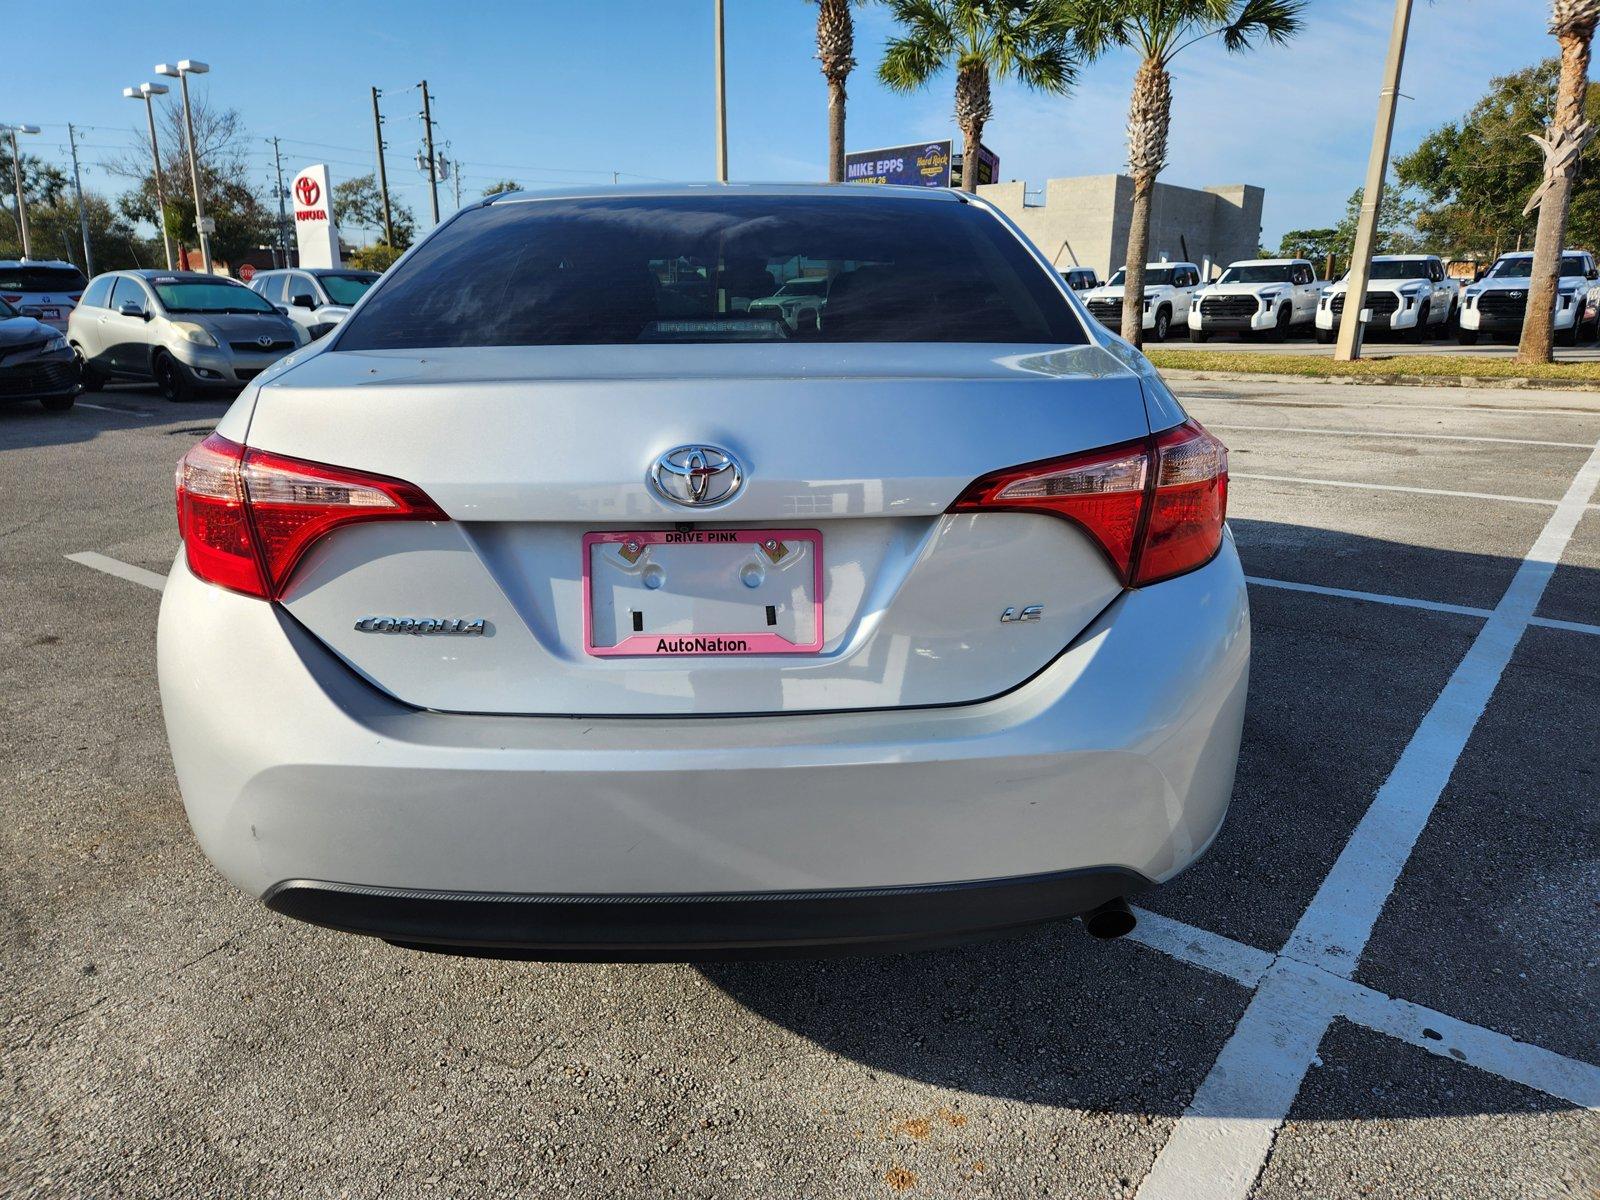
(1382, 980)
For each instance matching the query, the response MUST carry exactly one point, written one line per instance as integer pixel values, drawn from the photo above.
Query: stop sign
(247, 272)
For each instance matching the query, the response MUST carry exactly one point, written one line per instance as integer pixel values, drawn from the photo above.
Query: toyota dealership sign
(315, 231)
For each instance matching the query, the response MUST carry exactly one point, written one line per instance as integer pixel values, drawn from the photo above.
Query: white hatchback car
(552, 606)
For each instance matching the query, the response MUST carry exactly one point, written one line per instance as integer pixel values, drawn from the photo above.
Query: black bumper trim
(691, 927)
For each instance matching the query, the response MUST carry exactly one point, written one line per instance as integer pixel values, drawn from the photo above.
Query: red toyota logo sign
(306, 190)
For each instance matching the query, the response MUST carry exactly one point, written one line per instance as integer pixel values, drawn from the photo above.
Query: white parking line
(1221, 1143)
(1379, 433)
(122, 570)
(1461, 610)
(1391, 487)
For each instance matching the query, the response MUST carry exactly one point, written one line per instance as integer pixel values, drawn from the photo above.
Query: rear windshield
(347, 289)
(1403, 268)
(183, 296)
(699, 269)
(41, 279)
(1273, 273)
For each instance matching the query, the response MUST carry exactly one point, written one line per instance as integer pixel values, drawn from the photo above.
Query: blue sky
(550, 92)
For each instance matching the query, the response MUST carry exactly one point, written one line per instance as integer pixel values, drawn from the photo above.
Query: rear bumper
(677, 927)
(1116, 761)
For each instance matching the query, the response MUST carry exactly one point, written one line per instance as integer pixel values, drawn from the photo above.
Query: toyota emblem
(1514, 295)
(266, 339)
(307, 191)
(697, 476)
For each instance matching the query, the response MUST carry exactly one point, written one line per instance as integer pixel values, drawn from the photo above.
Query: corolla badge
(697, 476)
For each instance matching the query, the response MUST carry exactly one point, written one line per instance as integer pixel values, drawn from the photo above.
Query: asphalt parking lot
(1383, 980)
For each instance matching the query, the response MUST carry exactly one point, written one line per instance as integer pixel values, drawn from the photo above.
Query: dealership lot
(1384, 979)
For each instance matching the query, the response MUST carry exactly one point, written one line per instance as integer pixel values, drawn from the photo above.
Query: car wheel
(92, 378)
(58, 403)
(1280, 331)
(1325, 337)
(1199, 335)
(1467, 337)
(171, 378)
(1419, 333)
(1163, 325)
(1567, 336)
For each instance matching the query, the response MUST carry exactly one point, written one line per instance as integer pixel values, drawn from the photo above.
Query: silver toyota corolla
(564, 603)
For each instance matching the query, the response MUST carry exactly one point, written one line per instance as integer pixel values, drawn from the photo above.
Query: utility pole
(283, 217)
(722, 97)
(433, 165)
(383, 174)
(83, 213)
(1355, 296)
(455, 178)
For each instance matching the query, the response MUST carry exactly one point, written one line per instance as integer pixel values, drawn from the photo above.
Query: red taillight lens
(248, 517)
(9, 299)
(1189, 506)
(1155, 506)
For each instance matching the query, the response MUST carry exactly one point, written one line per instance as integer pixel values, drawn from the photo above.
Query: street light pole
(16, 174)
(1355, 295)
(143, 92)
(722, 97)
(83, 213)
(181, 72)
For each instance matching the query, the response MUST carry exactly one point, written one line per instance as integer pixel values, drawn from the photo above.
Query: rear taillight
(10, 299)
(247, 517)
(1154, 506)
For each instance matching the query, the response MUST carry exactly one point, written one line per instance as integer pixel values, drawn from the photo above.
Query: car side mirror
(131, 308)
(1593, 274)
(302, 301)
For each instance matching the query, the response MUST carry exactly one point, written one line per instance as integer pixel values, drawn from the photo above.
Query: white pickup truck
(1495, 305)
(1262, 295)
(1406, 293)
(1168, 293)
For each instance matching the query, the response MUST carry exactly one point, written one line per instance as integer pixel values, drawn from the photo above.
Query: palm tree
(1158, 30)
(836, 43)
(1573, 24)
(983, 40)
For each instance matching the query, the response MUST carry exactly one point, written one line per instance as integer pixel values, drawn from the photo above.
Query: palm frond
(1275, 21)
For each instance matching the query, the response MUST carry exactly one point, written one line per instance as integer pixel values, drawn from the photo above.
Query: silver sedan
(566, 601)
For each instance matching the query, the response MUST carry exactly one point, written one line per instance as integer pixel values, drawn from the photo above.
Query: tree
(357, 204)
(503, 185)
(1313, 244)
(1159, 30)
(1572, 22)
(1396, 232)
(983, 40)
(379, 256)
(1474, 177)
(233, 200)
(55, 233)
(836, 44)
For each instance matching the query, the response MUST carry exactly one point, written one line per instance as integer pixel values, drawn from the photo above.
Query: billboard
(926, 164)
(988, 167)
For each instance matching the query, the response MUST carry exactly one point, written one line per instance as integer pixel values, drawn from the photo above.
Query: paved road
(1424, 1027)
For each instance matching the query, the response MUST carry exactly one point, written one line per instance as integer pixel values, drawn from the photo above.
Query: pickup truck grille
(1504, 304)
(1225, 307)
(1106, 311)
(1382, 304)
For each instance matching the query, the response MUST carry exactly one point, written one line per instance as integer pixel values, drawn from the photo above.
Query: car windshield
(204, 296)
(347, 289)
(42, 279)
(1520, 266)
(1153, 277)
(689, 268)
(1399, 268)
(1263, 273)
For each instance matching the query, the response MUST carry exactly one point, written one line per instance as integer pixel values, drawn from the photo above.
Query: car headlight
(59, 342)
(302, 335)
(190, 332)
(1411, 289)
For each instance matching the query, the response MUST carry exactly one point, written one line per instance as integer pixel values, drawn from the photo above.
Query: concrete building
(1083, 222)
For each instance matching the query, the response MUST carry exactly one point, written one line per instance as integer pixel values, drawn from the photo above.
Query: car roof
(1270, 262)
(186, 276)
(38, 262)
(1403, 257)
(1529, 253)
(657, 190)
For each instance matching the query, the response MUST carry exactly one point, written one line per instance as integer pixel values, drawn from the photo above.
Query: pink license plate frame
(649, 645)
